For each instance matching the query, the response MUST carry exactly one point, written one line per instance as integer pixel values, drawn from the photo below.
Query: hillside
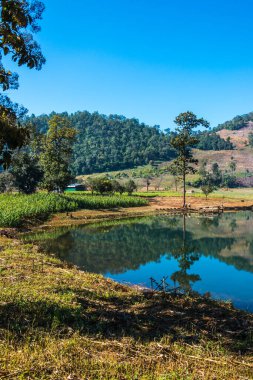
(160, 178)
(239, 138)
(116, 143)
(242, 152)
(236, 123)
(112, 142)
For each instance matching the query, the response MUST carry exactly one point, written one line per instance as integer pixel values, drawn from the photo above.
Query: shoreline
(157, 206)
(58, 322)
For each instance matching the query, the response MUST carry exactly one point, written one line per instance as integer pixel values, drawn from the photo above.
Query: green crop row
(17, 209)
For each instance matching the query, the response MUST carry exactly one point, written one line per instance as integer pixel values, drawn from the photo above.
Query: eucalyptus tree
(183, 141)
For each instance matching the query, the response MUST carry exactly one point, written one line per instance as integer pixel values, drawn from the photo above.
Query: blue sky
(149, 59)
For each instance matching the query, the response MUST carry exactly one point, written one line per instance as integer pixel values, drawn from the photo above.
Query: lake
(203, 253)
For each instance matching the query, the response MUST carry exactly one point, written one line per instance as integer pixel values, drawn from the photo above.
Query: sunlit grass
(60, 323)
(17, 209)
(236, 193)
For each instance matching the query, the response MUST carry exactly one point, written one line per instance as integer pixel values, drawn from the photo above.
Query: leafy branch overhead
(19, 23)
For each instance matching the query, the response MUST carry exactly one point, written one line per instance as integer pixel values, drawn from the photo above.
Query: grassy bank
(57, 322)
(17, 209)
(242, 193)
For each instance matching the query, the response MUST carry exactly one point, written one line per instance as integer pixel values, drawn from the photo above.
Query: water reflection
(119, 246)
(184, 251)
(176, 246)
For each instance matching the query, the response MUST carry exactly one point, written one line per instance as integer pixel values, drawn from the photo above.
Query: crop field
(17, 209)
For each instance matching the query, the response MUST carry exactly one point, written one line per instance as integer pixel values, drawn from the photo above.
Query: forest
(115, 142)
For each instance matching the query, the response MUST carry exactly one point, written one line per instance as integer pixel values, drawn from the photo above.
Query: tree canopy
(236, 123)
(19, 23)
(56, 154)
(111, 142)
(212, 141)
(183, 142)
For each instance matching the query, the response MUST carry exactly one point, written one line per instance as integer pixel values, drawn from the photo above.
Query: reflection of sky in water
(222, 280)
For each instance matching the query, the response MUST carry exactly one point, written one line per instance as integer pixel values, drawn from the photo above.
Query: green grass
(58, 323)
(241, 193)
(17, 209)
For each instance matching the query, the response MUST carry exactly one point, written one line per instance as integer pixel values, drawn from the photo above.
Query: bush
(130, 186)
(6, 182)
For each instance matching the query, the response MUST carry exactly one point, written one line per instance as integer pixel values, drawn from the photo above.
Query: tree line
(111, 142)
(238, 122)
(44, 163)
(114, 142)
(49, 150)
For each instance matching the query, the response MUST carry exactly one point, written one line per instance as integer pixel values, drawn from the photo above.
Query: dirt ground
(157, 205)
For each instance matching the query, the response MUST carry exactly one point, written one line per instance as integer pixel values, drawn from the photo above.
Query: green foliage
(6, 182)
(232, 165)
(26, 172)
(18, 25)
(16, 209)
(57, 152)
(117, 187)
(107, 202)
(216, 174)
(182, 142)
(212, 141)
(102, 185)
(207, 189)
(112, 142)
(251, 139)
(229, 180)
(57, 321)
(12, 136)
(217, 178)
(174, 169)
(236, 123)
(130, 186)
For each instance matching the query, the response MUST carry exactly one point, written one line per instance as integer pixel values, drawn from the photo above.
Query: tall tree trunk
(184, 190)
(176, 184)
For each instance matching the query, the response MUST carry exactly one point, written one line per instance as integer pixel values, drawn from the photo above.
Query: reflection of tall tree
(184, 251)
(116, 247)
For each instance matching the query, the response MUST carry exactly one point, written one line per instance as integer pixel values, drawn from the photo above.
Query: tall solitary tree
(17, 28)
(183, 142)
(57, 152)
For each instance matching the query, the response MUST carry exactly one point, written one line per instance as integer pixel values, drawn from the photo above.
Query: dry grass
(57, 322)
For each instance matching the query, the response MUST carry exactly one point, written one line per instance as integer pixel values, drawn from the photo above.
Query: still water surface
(206, 254)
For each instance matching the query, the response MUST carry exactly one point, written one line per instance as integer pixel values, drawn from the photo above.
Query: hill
(116, 143)
(236, 123)
(112, 142)
(240, 137)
